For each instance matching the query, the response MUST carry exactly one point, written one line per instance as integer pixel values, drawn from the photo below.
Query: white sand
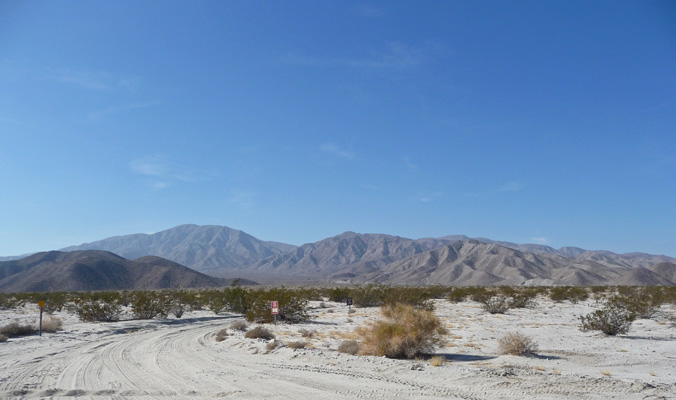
(181, 359)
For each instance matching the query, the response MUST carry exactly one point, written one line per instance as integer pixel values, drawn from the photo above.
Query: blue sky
(534, 122)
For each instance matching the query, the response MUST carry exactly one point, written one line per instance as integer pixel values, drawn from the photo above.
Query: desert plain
(182, 358)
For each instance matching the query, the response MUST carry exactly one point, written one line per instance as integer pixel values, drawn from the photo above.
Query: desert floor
(180, 358)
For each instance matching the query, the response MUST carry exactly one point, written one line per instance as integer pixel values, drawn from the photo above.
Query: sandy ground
(180, 358)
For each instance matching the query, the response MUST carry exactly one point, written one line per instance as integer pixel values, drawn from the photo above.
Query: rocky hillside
(202, 248)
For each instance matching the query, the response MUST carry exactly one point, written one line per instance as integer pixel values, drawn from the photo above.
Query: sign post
(274, 306)
(349, 304)
(41, 303)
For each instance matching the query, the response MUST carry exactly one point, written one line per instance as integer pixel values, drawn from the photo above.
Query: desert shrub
(97, 310)
(236, 300)
(338, 295)
(306, 333)
(239, 326)
(573, 294)
(637, 306)
(14, 329)
(522, 300)
(516, 344)
(457, 295)
(301, 344)
(177, 309)
(221, 335)
(52, 324)
(349, 347)
(7, 301)
(496, 304)
(54, 302)
(3, 338)
(259, 332)
(147, 305)
(404, 332)
(612, 320)
(413, 296)
(480, 293)
(371, 295)
(292, 305)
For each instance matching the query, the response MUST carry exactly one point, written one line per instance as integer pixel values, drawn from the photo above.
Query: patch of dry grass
(221, 335)
(436, 361)
(259, 332)
(516, 344)
(349, 347)
(300, 344)
(52, 324)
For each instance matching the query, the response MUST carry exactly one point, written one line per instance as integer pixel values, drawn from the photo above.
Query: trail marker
(349, 303)
(41, 303)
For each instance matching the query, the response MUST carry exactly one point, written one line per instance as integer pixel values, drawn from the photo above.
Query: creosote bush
(148, 305)
(3, 338)
(259, 332)
(573, 294)
(496, 304)
(293, 305)
(516, 344)
(612, 320)
(349, 347)
(404, 332)
(98, 310)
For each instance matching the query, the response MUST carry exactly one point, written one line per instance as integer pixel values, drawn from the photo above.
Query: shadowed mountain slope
(97, 270)
(202, 248)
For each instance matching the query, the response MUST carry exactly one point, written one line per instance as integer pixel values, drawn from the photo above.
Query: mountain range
(354, 258)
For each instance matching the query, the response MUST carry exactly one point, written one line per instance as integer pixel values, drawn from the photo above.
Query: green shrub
(371, 295)
(573, 294)
(404, 332)
(612, 320)
(522, 300)
(259, 332)
(458, 294)
(496, 304)
(98, 310)
(292, 305)
(147, 305)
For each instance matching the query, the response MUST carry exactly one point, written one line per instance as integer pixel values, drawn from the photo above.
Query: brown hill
(666, 270)
(96, 270)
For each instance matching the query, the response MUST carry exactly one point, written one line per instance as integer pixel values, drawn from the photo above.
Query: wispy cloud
(93, 80)
(427, 197)
(369, 11)
(336, 151)
(396, 55)
(539, 240)
(98, 115)
(511, 186)
(409, 164)
(244, 199)
(165, 172)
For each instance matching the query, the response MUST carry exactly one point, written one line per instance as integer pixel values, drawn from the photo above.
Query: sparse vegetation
(404, 332)
(293, 305)
(3, 338)
(516, 344)
(259, 332)
(306, 333)
(436, 361)
(573, 294)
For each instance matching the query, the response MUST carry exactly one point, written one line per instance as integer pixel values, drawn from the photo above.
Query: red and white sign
(275, 307)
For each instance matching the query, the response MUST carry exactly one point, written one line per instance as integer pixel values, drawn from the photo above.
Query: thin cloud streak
(337, 151)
